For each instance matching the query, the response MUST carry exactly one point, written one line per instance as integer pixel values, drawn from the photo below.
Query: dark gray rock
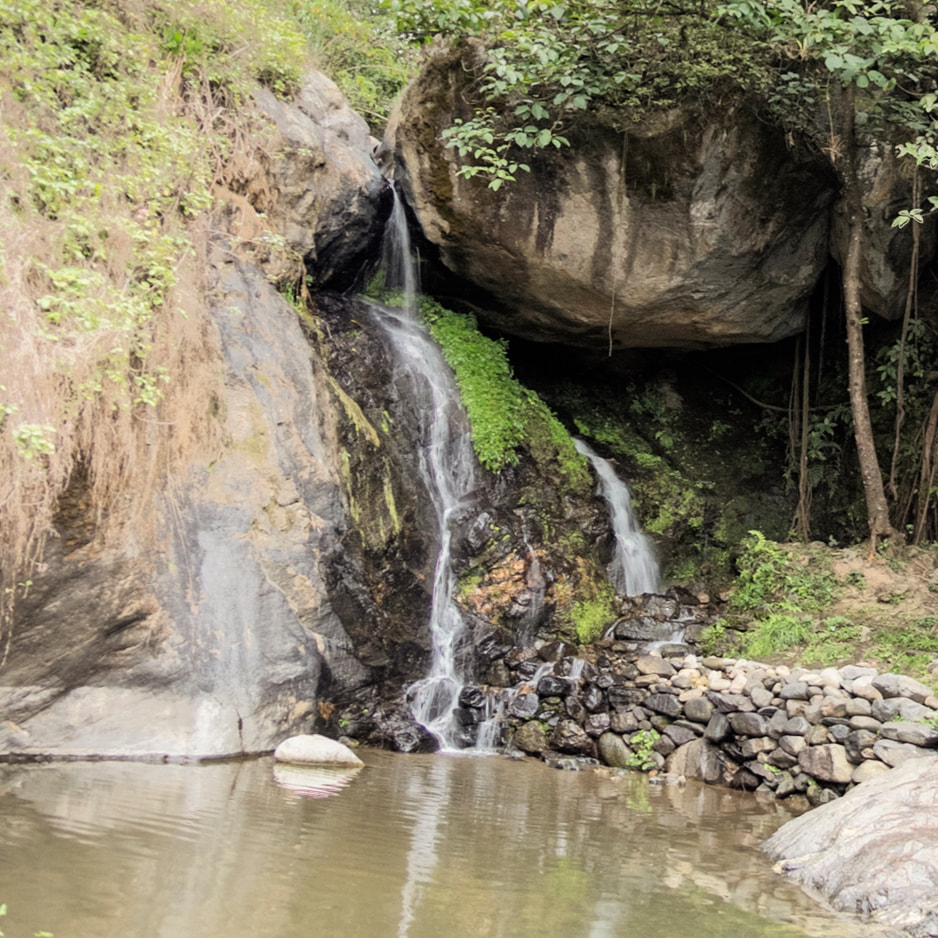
(816, 735)
(524, 706)
(552, 686)
(643, 629)
(621, 696)
(678, 734)
(777, 724)
(865, 723)
(472, 697)
(857, 742)
(623, 721)
(572, 738)
(652, 664)
(794, 690)
(597, 723)
(718, 728)
(793, 745)
(781, 759)
(918, 734)
(666, 704)
(874, 851)
(574, 709)
(796, 726)
(698, 709)
(838, 732)
(748, 724)
(731, 703)
(593, 698)
(700, 759)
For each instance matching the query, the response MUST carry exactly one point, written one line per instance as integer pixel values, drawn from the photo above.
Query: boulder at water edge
(874, 851)
(315, 750)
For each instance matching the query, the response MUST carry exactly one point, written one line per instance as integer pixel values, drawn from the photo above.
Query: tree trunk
(877, 507)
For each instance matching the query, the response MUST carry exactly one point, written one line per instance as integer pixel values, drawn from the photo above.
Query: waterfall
(397, 258)
(634, 569)
(447, 467)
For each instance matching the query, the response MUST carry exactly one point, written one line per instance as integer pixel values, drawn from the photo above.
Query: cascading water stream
(447, 466)
(634, 568)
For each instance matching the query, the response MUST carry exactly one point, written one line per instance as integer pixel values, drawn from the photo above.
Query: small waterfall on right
(634, 568)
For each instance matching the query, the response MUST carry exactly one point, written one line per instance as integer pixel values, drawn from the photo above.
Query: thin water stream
(412, 846)
(447, 466)
(634, 568)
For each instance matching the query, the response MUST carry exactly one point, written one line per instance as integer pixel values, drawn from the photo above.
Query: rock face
(678, 233)
(875, 851)
(884, 273)
(320, 188)
(205, 622)
(517, 580)
(681, 232)
(208, 630)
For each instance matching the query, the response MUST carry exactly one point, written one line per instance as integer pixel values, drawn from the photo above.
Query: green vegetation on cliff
(503, 414)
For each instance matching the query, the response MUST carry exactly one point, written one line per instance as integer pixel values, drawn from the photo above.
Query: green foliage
(768, 579)
(782, 593)
(114, 178)
(117, 119)
(549, 60)
(591, 617)
(549, 441)
(493, 398)
(778, 631)
(642, 745)
(874, 49)
(713, 638)
(360, 49)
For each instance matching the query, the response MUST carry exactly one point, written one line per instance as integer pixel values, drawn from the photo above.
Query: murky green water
(410, 846)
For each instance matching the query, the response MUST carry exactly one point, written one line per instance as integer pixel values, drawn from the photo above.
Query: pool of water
(415, 846)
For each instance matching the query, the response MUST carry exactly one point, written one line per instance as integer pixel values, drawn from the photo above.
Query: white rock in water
(315, 750)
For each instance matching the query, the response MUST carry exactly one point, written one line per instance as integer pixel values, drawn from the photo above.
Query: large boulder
(200, 623)
(680, 232)
(874, 851)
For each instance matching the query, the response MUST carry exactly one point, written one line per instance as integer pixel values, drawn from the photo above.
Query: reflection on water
(313, 780)
(410, 845)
